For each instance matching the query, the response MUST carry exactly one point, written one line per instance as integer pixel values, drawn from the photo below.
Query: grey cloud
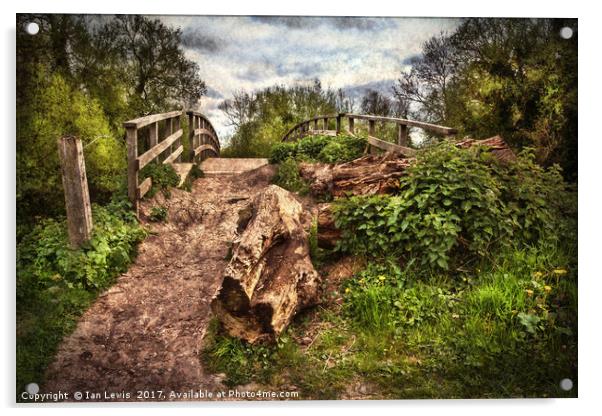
(213, 93)
(194, 38)
(342, 22)
(410, 60)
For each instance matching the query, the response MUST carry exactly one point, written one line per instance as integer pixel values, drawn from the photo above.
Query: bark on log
(368, 175)
(270, 276)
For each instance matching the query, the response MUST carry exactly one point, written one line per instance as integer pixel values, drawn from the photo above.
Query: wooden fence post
(132, 146)
(75, 184)
(402, 135)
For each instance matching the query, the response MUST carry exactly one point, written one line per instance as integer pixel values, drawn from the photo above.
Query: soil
(145, 333)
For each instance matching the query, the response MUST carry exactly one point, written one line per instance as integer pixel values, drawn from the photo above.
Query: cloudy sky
(253, 52)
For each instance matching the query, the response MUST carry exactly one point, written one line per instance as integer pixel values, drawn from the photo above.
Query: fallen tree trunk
(368, 175)
(371, 175)
(270, 276)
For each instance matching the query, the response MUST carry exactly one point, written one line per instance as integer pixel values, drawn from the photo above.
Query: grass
(506, 330)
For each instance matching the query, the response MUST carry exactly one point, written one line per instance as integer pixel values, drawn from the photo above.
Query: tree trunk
(270, 276)
(368, 175)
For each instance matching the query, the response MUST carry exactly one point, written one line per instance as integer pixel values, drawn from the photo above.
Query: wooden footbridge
(159, 137)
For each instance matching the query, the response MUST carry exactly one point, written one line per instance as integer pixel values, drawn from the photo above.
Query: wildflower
(537, 275)
(347, 290)
(529, 292)
(547, 288)
(560, 272)
(382, 278)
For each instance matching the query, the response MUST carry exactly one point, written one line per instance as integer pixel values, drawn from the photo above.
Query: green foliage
(282, 151)
(55, 283)
(263, 117)
(310, 147)
(57, 110)
(288, 177)
(454, 204)
(512, 77)
(240, 361)
(326, 149)
(158, 214)
(163, 176)
(342, 148)
(44, 258)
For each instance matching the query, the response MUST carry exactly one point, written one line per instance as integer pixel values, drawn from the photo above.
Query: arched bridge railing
(159, 137)
(312, 126)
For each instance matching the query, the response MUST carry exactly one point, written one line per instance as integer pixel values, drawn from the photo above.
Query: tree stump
(270, 276)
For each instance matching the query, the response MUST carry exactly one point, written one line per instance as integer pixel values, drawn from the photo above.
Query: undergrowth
(55, 283)
(326, 149)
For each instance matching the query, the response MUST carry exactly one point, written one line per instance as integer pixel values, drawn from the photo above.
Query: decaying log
(372, 175)
(497, 146)
(270, 276)
(328, 234)
(368, 175)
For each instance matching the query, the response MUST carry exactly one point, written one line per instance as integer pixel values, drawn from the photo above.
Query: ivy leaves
(453, 204)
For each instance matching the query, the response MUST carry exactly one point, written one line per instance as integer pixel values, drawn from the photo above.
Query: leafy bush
(310, 147)
(288, 177)
(56, 284)
(163, 176)
(326, 149)
(45, 259)
(455, 203)
(282, 151)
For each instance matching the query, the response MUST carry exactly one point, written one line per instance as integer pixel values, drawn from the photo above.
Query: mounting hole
(32, 28)
(566, 384)
(32, 388)
(566, 32)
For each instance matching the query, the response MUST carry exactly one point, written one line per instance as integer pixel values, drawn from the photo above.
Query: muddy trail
(145, 332)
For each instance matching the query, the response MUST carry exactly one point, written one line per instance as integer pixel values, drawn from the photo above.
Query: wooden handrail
(151, 119)
(303, 126)
(172, 143)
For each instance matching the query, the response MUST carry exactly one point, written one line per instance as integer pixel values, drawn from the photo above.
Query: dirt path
(146, 331)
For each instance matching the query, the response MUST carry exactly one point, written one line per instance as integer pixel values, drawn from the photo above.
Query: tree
(425, 87)
(376, 103)
(159, 73)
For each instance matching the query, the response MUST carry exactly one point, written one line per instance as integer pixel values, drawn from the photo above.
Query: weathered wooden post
(371, 128)
(338, 126)
(132, 147)
(191, 128)
(351, 125)
(77, 196)
(325, 123)
(402, 135)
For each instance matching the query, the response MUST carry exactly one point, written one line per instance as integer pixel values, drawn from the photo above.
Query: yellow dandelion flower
(537, 275)
(560, 272)
(529, 292)
(347, 290)
(381, 278)
(547, 288)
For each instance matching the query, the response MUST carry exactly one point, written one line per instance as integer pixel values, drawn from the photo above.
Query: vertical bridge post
(402, 135)
(75, 184)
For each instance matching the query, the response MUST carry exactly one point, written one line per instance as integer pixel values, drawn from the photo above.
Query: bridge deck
(230, 166)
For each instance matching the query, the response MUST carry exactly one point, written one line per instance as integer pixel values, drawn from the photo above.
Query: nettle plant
(452, 204)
